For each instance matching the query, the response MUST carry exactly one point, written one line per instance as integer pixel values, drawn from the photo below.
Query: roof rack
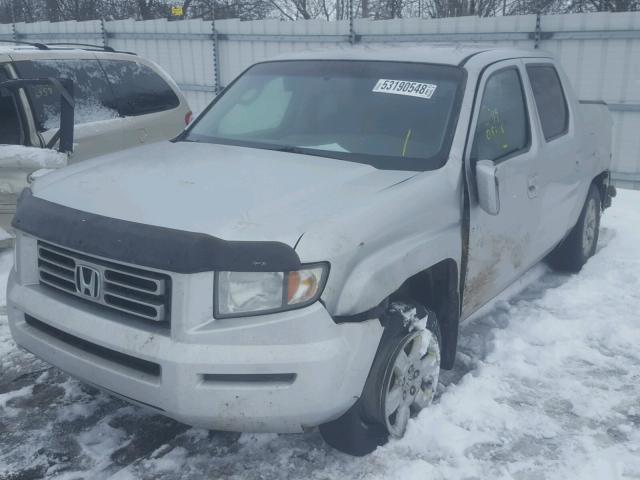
(87, 46)
(97, 47)
(39, 46)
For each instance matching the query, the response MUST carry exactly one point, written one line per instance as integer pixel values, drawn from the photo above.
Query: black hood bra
(147, 245)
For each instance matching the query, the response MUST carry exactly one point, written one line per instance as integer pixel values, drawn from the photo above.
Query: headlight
(242, 293)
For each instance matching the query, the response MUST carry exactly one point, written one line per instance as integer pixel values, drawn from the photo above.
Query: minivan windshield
(391, 115)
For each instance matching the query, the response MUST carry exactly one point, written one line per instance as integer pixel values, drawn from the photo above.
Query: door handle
(532, 186)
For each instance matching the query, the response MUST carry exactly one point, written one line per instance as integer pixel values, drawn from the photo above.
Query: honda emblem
(87, 281)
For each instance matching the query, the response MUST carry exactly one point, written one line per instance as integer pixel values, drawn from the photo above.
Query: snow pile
(40, 173)
(558, 394)
(30, 158)
(413, 322)
(546, 386)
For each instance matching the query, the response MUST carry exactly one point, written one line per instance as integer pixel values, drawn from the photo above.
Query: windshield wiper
(302, 151)
(289, 149)
(263, 146)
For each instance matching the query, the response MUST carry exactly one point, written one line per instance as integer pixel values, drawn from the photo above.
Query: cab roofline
(454, 54)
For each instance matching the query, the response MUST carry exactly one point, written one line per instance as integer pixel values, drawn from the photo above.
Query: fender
(374, 250)
(380, 275)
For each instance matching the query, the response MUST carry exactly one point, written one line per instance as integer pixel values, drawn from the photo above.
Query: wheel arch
(437, 289)
(602, 182)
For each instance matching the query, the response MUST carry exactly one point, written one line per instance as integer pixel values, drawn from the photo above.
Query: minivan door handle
(532, 186)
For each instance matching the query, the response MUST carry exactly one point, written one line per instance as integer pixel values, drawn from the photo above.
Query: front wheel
(402, 381)
(574, 251)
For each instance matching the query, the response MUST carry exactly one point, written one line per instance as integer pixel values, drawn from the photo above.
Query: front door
(503, 246)
(99, 129)
(12, 131)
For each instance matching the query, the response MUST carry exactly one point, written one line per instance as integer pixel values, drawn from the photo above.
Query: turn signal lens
(188, 117)
(303, 285)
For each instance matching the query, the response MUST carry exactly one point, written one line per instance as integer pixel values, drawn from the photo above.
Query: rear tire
(574, 251)
(402, 381)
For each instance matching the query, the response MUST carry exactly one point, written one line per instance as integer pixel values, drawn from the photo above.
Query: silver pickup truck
(303, 254)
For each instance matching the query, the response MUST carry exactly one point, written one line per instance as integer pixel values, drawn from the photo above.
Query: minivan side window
(138, 88)
(503, 126)
(550, 100)
(92, 93)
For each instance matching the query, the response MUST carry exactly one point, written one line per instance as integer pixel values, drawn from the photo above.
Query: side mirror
(488, 186)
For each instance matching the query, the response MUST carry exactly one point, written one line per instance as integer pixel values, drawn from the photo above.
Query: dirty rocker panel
(147, 245)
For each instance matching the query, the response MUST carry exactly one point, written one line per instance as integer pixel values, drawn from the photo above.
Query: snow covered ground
(546, 386)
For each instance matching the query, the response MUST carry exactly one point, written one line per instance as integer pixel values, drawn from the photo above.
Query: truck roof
(440, 53)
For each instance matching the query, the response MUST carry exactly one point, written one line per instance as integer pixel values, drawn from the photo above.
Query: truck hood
(230, 192)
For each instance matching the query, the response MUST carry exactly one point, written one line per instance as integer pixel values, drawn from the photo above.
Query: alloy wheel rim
(590, 227)
(413, 381)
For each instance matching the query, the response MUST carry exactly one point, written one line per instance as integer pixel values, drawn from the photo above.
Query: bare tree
(59, 10)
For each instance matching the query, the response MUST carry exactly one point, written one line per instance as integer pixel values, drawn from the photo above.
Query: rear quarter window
(139, 90)
(550, 100)
(93, 95)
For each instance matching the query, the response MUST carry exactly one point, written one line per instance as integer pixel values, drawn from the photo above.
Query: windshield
(391, 115)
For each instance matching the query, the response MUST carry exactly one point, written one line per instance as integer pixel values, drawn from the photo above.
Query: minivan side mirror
(488, 186)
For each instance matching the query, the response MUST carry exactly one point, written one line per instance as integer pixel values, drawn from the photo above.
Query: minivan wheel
(574, 251)
(402, 381)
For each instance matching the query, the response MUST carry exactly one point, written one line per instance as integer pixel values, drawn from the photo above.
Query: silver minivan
(121, 101)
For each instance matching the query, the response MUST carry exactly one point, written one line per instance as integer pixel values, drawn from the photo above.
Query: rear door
(503, 246)
(151, 108)
(559, 155)
(99, 129)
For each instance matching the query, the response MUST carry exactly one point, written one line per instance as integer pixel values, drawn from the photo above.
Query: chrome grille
(136, 292)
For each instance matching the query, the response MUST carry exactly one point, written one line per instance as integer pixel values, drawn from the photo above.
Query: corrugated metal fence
(599, 51)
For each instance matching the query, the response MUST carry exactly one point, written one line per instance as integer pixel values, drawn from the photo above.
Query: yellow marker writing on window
(406, 142)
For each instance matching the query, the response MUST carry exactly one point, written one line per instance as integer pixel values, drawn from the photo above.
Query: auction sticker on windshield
(403, 87)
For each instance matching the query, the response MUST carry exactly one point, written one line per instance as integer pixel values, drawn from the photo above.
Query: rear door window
(550, 100)
(138, 88)
(92, 92)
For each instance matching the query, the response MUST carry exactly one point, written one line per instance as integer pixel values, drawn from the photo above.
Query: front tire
(580, 245)
(402, 381)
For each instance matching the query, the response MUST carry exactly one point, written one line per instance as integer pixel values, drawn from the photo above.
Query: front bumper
(275, 373)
